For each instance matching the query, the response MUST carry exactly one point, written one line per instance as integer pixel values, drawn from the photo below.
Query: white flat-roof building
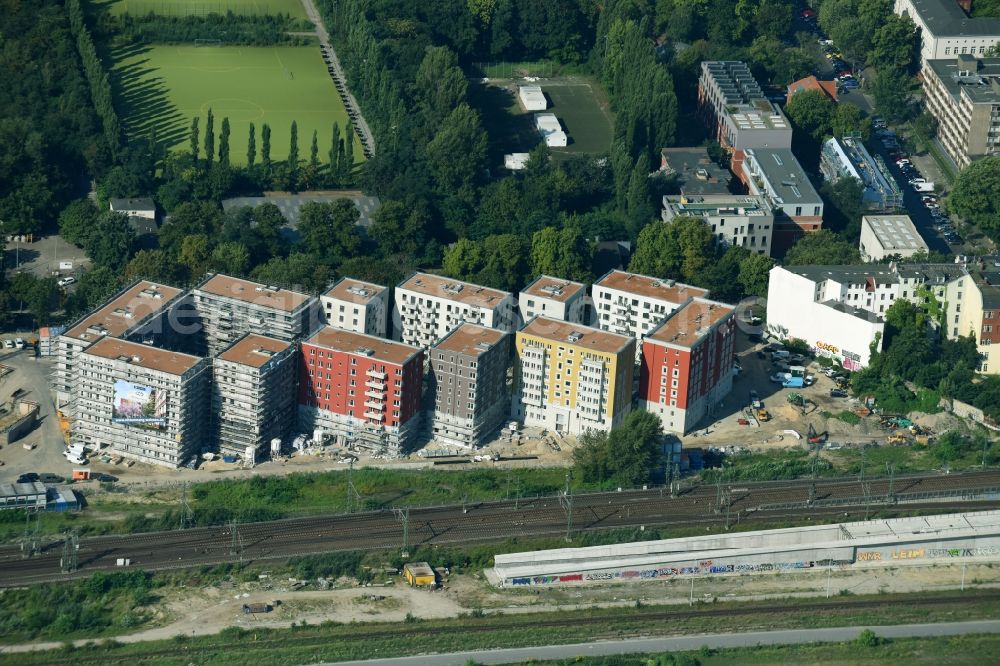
(147, 404)
(946, 30)
(551, 297)
(355, 305)
(742, 220)
(888, 235)
(634, 305)
(429, 307)
(532, 98)
(548, 126)
(516, 161)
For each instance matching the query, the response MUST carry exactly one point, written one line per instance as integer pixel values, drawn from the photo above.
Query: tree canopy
(976, 195)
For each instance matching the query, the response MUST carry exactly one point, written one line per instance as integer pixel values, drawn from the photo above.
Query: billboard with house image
(138, 405)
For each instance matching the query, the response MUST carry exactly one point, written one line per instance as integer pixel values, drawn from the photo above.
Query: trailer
(252, 609)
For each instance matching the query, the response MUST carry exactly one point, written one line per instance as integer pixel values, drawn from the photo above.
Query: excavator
(815, 438)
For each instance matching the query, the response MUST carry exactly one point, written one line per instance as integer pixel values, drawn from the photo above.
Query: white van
(75, 458)
(780, 354)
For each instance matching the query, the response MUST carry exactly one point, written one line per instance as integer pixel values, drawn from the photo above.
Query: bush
(868, 639)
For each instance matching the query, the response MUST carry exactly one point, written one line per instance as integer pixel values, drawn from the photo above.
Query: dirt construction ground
(208, 610)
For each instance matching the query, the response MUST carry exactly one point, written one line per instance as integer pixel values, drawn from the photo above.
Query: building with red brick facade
(687, 364)
(360, 387)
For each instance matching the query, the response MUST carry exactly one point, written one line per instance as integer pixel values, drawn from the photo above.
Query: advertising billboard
(138, 405)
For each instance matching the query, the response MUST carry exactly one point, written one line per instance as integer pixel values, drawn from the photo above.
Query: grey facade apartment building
(355, 305)
(963, 95)
(469, 383)
(736, 108)
(253, 394)
(139, 312)
(147, 404)
(228, 308)
(742, 220)
(556, 298)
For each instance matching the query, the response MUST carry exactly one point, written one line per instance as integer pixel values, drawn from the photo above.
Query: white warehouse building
(887, 235)
(532, 98)
(548, 126)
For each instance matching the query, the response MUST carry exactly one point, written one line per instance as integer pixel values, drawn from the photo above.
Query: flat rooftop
(786, 176)
(866, 315)
(945, 18)
(643, 285)
(695, 171)
(470, 340)
(355, 291)
(123, 311)
(691, 322)
(880, 273)
(262, 295)
(970, 75)
(22, 489)
(138, 203)
(895, 232)
(556, 289)
(717, 204)
(143, 356)
(564, 332)
(454, 290)
(362, 345)
(253, 350)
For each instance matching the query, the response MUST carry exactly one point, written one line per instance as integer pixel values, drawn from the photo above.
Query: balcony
(375, 416)
(375, 384)
(373, 404)
(375, 374)
(378, 395)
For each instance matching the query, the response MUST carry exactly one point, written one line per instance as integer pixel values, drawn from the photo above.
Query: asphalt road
(698, 506)
(681, 643)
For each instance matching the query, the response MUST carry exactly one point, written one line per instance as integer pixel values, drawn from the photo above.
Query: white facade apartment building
(355, 305)
(229, 308)
(428, 307)
(147, 404)
(253, 394)
(139, 312)
(739, 220)
(634, 305)
(946, 30)
(552, 297)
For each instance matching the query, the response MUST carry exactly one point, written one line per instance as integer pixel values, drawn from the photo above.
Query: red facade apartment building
(360, 387)
(687, 364)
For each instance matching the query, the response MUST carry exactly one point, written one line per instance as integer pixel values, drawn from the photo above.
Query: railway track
(699, 505)
(607, 623)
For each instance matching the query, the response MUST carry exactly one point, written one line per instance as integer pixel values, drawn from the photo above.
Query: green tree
(293, 158)
(639, 208)
(265, 147)
(843, 207)
(193, 140)
(77, 221)
(892, 91)
(252, 147)
(189, 219)
(231, 258)
(976, 195)
(154, 265)
(822, 247)
(456, 154)
(754, 274)
(563, 253)
(210, 137)
(336, 154)
(224, 143)
(811, 111)
(111, 243)
(895, 43)
(499, 261)
(626, 456)
(312, 167)
(923, 129)
(679, 249)
(194, 254)
(299, 269)
(400, 229)
(329, 230)
(440, 85)
(849, 120)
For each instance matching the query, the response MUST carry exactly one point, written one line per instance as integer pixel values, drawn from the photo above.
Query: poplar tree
(193, 137)
(265, 146)
(224, 143)
(252, 147)
(210, 137)
(293, 157)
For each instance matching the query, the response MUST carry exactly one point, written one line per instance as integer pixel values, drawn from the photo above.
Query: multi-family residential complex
(253, 394)
(469, 384)
(884, 236)
(839, 310)
(228, 308)
(357, 306)
(847, 157)
(742, 220)
(140, 312)
(963, 95)
(362, 388)
(738, 112)
(687, 364)
(633, 305)
(778, 177)
(571, 378)
(694, 172)
(147, 404)
(552, 297)
(946, 29)
(428, 307)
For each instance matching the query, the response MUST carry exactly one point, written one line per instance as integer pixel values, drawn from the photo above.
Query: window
(798, 210)
(947, 50)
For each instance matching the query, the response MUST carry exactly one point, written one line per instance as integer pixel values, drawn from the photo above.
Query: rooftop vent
(265, 352)
(358, 290)
(552, 290)
(483, 346)
(453, 288)
(365, 351)
(701, 174)
(575, 336)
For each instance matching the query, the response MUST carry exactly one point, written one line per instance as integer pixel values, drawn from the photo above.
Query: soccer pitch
(293, 8)
(166, 86)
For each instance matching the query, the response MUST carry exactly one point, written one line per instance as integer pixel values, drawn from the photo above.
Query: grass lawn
(582, 107)
(166, 86)
(293, 8)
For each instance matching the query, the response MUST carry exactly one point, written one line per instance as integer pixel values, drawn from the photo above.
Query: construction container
(419, 574)
(249, 609)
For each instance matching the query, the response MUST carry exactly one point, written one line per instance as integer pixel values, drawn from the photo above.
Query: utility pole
(403, 516)
(29, 546)
(236, 541)
(891, 468)
(68, 561)
(986, 441)
(186, 517)
(868, 497)
(566, 501)
(812, 492)
(718, 494)
(353, 496)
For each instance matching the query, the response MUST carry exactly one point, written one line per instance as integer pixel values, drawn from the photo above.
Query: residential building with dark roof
(777, 175)
(694, 172)
(963, 95)
(946, 30)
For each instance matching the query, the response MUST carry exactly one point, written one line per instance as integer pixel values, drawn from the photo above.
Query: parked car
(838, 393)
(931, 204)
(754, 397)
(27, 477)
(19, 343)
(46, 477)
(66, 281)
(105, 478)
(8, 344)
(780, 377)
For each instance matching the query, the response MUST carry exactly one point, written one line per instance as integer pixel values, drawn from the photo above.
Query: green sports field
(167, 86)
(293, 8)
